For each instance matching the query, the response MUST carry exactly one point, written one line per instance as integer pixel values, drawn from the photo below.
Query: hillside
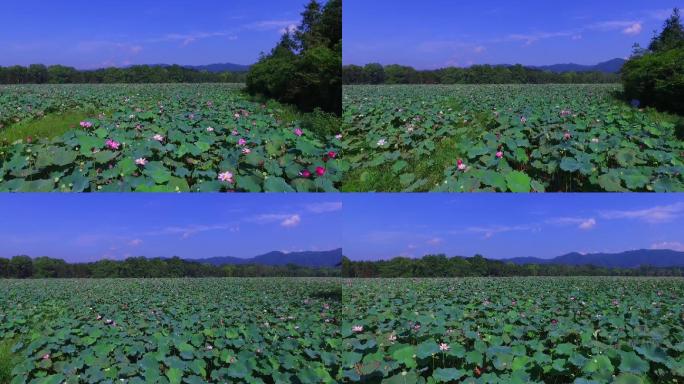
(315, 259)
(628, 259)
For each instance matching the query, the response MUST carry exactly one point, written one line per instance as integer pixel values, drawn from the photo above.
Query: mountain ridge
(314, 259)
(609, 66)
(626, 259)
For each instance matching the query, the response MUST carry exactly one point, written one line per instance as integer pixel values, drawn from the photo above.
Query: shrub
(305, 68)
(656, 79)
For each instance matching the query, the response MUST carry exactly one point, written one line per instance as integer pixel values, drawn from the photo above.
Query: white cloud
(331, 206)
(490, 231)
(654, 215)
(479, 49)
(269, 25)
(189, 38)
(587, 224)
(190, 230)
(291, 221)
(581, 223)
(98, 45)
(135, 242)
(672, 245)
(576, 37)
(435, 241)
(633, 29)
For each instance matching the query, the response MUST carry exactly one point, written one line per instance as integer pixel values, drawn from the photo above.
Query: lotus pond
(513, 330)
(171, 330)
(519, 138)
(176, 137)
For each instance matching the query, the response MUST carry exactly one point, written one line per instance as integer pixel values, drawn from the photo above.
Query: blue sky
(439, 33)
(378, 226)
(85, 227)
(93, 34)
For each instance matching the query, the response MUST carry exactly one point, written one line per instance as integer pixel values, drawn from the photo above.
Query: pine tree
(672, 35)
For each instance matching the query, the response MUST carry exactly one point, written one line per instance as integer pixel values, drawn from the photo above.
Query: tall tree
(672, 35)
(21, 267)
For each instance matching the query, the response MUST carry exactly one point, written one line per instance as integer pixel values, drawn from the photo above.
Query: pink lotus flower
(554, 321)
(357, 328)
(235, 132)
(461, 165)
(615, 302)
(499, 154)
(305, 173)
(46, 356)
(443, 347)
(141, 161)
(338, 136)
(210, 129)
(209, 347)
(226, 177)
(565, 112)
(523, 119)
(158, 137)
(86, 124)
(99, 317)
(242, 142)
(237, 115)
(567, 136)
(246, 151)
(332, 154)
(112, 144)
(320, 171)
(392, 338)
(298, 131)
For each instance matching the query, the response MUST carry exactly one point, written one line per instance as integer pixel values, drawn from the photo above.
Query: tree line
(478, 266)
(25, 267)
(654, 76)
(59, 74)
(476, 74)
(305, 67)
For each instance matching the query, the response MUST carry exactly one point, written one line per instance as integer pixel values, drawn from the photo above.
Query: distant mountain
(305, 259)
(628, 259)
(610, 66)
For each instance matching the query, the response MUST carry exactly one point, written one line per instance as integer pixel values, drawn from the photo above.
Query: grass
(7, 360)
(322, 124)
(383, 179)
(49, 126)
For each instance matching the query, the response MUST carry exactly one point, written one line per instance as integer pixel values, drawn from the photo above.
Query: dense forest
(304, 68)
(654, 76)
(477, 74)
(58, 74)
(442, 266)
(24, 267)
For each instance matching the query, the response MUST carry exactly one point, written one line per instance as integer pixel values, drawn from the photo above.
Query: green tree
(375, 73)
(21, 267)
(305, 67)
(4, 268)
(672, 35)
(656, 77)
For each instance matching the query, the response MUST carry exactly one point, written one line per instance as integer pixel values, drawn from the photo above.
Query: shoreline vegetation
(25, 267)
